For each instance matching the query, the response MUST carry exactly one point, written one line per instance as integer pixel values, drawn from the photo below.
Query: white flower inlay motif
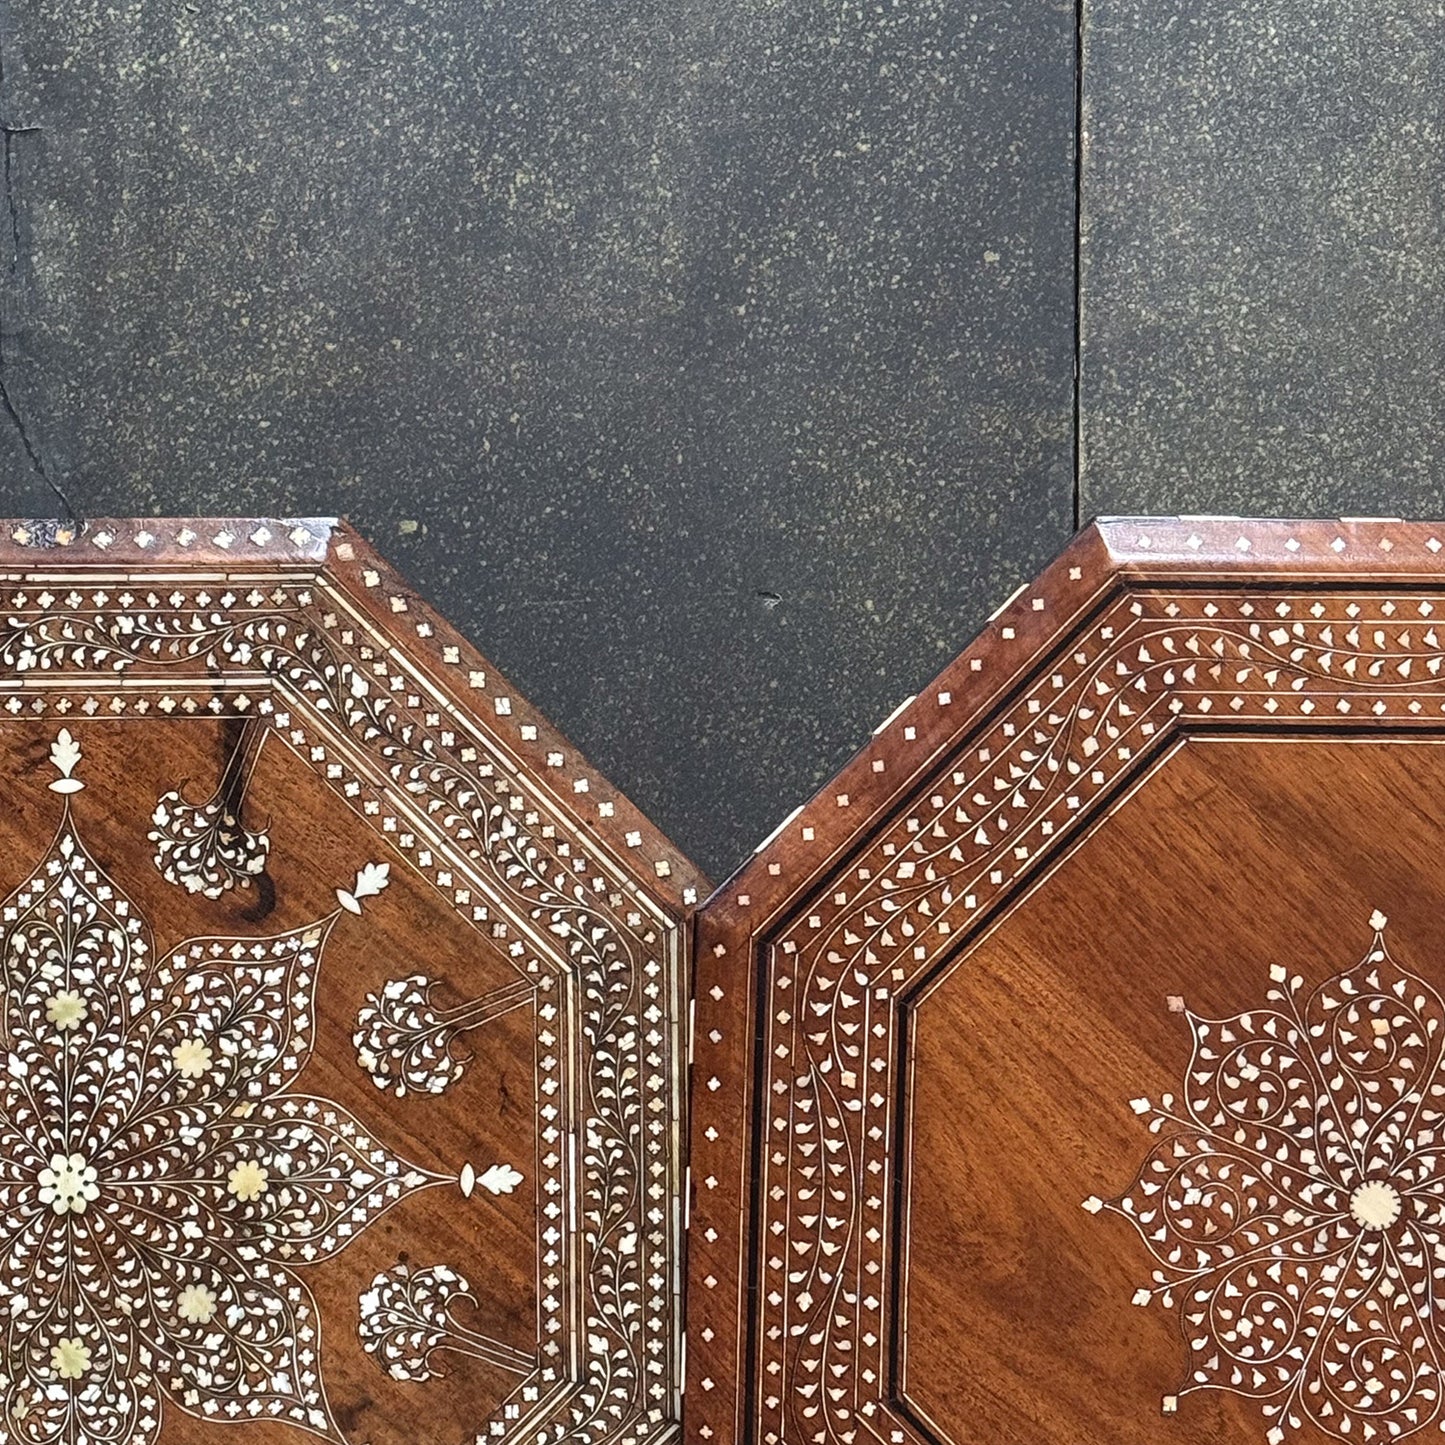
(1294, 1205)
(196, 1303)
(248, 1180)
(405, 1042)
(191, 1058)
(65, 1009)
(70, 1358)
(160, 1181)
(68, 1184)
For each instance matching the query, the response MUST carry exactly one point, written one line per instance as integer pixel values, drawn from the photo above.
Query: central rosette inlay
(1293, 1203)
(1375, 1205)
(69, 1184)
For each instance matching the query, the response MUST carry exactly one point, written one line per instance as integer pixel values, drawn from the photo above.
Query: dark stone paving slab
(709, 365)
(1263, 269)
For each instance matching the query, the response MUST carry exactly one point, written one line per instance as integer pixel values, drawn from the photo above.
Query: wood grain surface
(1070, 1068)
(343, 1011)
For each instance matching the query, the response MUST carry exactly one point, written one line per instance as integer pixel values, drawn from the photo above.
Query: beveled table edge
(330, 547)
(1102, 556)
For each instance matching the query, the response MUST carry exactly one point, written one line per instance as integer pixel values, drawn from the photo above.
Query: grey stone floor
(1263, 259)
(713, 366)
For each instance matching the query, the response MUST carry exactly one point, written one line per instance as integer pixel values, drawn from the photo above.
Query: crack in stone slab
(12, 272)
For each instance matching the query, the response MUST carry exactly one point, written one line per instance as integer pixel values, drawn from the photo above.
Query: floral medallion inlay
(161, 1184)
(1294, 1204)
(267, 705)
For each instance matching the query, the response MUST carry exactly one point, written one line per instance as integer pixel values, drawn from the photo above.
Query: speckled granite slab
(640, 335)
(1263, 259)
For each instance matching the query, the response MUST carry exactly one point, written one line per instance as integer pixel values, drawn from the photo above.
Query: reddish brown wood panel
(1072, 1067)
(343, 1010)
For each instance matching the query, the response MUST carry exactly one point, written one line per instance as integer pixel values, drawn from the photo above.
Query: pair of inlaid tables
(1069, 1071)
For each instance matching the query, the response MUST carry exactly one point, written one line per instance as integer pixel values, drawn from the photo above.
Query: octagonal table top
(343, 1005)
(1072, 1066)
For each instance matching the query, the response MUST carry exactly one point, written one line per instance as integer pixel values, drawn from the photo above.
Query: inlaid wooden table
(1071, 1070)
(341, 1079)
